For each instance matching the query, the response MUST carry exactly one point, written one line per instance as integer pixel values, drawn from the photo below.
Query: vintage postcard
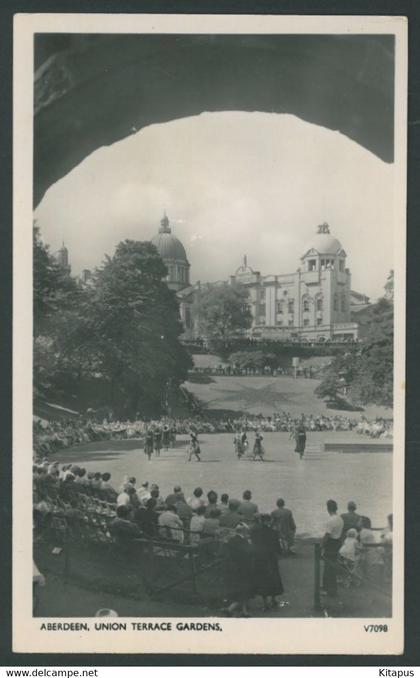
(209, 313)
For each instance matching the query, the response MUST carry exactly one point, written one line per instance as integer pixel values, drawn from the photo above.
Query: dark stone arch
(93, 90)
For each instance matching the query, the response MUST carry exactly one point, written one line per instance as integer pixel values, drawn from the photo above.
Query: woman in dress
(238, 570)
(268, 583)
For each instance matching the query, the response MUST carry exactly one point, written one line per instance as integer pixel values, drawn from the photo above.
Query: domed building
(174, 256)
(313, 303)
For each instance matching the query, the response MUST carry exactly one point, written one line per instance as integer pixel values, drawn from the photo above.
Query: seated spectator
(123, 498)
(122, 529)
(143, 493)
(184, 512)
(170, 525)
(231, 518)
(96, 482)
(224, 503)
(247, 508)
(284, 524)
(211, 523)
(177, 495)
(81, 478)
(147, 518)
(351, 519)
(155, 494)
(197, 499)
(196, 525)
(107, 491)
(212, 502)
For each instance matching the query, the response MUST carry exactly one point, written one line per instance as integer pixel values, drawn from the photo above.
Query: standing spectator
(331, 543)
(268, 583)
(351, 519)
(285, 525)
(238, 565)
(247, 508)
(372, 554)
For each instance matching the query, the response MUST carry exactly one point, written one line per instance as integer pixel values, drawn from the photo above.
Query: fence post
(193, 571)
(66, 560)
(317, 577)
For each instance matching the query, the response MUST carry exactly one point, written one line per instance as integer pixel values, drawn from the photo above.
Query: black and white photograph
(208, 413)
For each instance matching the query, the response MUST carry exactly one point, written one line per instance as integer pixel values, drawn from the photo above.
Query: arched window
(305, 304)
(319, 303)
(343, 304)
(335, 306)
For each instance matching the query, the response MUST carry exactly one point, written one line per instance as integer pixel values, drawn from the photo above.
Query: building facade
(314, 303)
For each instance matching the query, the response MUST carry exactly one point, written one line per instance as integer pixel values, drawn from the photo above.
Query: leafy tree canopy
(223, 313)
(365, 373)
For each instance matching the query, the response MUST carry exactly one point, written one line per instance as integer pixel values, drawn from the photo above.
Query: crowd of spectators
(52, 436)
(250, 541)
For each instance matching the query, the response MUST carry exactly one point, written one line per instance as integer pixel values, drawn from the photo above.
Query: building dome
(323, 242)
(173, 255)
(168, 245)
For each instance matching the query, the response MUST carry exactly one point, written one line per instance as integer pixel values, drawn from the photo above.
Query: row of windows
(306, 305)
(290, 322)
(326, 264)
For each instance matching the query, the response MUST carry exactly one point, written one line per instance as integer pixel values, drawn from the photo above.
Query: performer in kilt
(299, 434)
(258, 450)
(166, 437)
(157, 440)
(148, 443)
(194, 447)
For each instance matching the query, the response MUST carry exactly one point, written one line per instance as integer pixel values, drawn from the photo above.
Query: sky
(232, 183)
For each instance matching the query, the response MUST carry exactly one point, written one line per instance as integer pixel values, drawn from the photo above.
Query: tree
(374, 370)
(131, 329)
(56, 313)
(54, 290)
(365, 373)
(223, 313)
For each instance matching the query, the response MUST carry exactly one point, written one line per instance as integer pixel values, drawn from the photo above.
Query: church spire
(164, 224)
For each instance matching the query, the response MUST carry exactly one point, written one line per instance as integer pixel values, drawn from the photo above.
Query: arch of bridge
(91, 91)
